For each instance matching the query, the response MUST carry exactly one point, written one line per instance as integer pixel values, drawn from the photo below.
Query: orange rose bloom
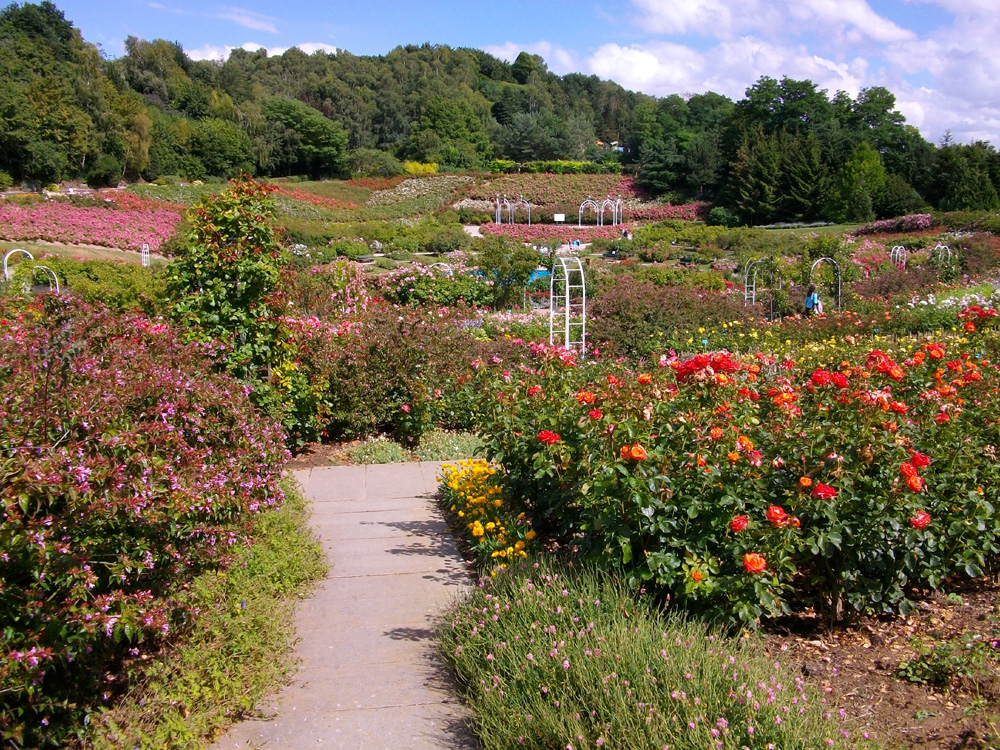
(754, 563)
(645, 379)
(805, 482)
(626, 452)
(969, 326)
(715, 433)
(908, 470)
(915, 483)
(638, 452)
(733, 456)
(697, 576)
(896, 372)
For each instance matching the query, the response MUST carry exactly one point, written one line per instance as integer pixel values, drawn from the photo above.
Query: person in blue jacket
(812, 301)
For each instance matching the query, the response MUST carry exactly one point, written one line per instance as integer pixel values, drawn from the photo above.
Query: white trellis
(750, 281)
(943, 252)
(616, 211)
(899, 256)
(836, 268)
(7, 273)
(589, 203)
(568, 304)
(145, 254)
(443, 266)
(520, 202)
(52, 279)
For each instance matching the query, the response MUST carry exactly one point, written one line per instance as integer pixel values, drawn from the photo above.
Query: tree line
(786, 151)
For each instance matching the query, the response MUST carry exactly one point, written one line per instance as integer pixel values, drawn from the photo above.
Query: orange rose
(638, 453)
(645, 379)
(754, 563)
(733, 456)
(805, 482)
(626, 452)
(697, 576)
(715, 433)
(915, 483)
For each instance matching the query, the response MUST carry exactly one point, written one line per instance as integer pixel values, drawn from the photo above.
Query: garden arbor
(568, 304)
(753, 270)
(836, 269)
(617, 211)
(47, 273)
(502, 203)
(899, 256)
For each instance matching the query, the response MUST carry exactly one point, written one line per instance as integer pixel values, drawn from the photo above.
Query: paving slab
(369, 677)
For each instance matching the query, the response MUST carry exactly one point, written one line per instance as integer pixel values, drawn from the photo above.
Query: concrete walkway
(369, 678)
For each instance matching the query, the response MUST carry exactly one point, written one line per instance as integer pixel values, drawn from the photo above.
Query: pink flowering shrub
(565, 234)
(55, 221)
(128, 466)
(910, 223)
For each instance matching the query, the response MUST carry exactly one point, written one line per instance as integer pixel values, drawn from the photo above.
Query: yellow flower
(530, 535)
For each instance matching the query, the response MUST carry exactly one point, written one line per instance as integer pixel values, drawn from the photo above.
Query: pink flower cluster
(55, 221)
(539, 232)
(661, 212)
(909, 223)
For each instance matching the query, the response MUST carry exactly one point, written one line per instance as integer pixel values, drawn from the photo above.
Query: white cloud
(221, 53)
(558, 59)
(248, 19)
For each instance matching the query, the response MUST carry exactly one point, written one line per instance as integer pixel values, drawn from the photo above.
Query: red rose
(969, 326)
(920, 520)
(739, 523)
(908, 470)
(645, 379)
(595, 414)
(839, 380)
(534, 390)
(548, 437)
(820, 377)
(754, 563)
(776, 515)
(915, 483)
(823, 491)
(920, 460)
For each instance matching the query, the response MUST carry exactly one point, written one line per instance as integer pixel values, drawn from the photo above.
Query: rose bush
(783, 485)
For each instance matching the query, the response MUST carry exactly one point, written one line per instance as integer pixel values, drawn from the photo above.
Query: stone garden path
(369, 678)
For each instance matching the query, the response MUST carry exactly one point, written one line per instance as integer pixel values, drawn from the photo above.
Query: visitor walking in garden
(813, 305)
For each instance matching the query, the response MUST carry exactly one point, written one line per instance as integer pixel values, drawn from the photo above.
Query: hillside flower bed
(418, 187)
(564, 234)
(544, 189)
(749, 487)
(129, 467)
(55, 221)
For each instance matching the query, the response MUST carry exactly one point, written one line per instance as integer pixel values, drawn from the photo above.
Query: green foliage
(106, 172)
(223, 283)
(6, 181)
(314, 145)
(554, 653)
(119, 285)
(234, 654)
(448, 240)
(370, 162)
(376, 450)
(508, 265)
(447, 445)
(858, 186)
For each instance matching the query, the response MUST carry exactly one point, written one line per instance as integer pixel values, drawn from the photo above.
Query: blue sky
(940, 57)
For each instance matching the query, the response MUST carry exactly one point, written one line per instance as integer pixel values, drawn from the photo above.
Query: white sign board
(559, 217)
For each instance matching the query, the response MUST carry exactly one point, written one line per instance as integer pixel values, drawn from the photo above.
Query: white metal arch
(519, 202)
(899, 256)
(444, 266)
(53, 279)
(568, 291)
(944, 252)
(589, 203)
(836, 267)
(750, 281)
(606, 204)
(7, 273)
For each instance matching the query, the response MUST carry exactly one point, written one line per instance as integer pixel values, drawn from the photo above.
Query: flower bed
(129, 466)
(565, 234)
(546, 189)
(751, 486)
(55, 221)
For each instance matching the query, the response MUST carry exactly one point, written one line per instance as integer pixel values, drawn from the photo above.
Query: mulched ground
(860, 663)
